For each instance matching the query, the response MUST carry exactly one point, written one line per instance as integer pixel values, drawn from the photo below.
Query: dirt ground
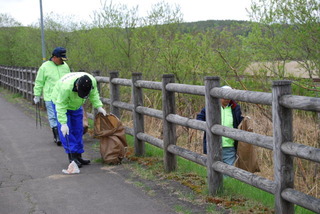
(292, 68)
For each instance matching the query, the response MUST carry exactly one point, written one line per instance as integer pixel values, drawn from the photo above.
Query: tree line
(119, 39)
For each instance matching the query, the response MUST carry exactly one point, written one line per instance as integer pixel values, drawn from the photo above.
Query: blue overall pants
(74, 143)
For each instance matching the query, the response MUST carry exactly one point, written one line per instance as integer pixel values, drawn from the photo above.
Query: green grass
(181, 209)
(90, 123)
(232, 187)
(12, 97)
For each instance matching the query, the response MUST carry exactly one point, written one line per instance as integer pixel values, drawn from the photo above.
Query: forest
(119, 39)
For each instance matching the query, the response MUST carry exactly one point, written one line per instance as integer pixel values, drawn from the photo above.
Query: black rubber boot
(56, 136)
(83, 161)
(73, 157)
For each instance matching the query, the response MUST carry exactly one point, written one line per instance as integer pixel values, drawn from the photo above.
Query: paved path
(31, 181)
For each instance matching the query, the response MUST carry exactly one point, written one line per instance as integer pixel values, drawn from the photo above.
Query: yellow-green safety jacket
(65, 98)
(227, 120)
(48, 74)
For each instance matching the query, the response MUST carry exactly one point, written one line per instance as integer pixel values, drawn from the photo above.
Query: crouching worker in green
(68, 96)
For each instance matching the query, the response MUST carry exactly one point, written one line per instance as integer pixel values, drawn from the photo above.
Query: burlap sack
(246, 153)
(111, 133)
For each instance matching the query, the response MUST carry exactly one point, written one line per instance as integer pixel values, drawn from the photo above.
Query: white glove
(36, 99)
(64, 129)
(102, 111)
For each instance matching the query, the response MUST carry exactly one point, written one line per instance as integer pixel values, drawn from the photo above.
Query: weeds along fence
(21, 80)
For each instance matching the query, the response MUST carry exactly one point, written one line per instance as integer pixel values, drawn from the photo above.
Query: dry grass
(292, 68)
(306, 131)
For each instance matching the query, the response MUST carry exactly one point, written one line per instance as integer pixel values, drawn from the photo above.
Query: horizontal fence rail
(300, 102)
(148, 85)
(245, 96)
(119, 81)
(246, 177)
(187, 154)
(102, 79)
(187, 122)
(149, 112)
(301, 151)
(21, 80)
(187, 89)
(240, 135)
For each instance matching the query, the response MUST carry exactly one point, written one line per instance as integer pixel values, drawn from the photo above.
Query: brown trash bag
(247, 155)
(85, 121)
(111, 133)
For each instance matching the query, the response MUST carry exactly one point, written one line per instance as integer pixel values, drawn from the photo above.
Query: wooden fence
(21, 80)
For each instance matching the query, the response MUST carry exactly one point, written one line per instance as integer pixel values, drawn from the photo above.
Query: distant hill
(238, 27)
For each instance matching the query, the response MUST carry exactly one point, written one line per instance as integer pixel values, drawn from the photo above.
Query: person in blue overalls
(68, 96)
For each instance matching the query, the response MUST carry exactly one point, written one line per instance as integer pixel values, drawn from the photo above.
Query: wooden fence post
(282, 132)
(4, 78)
(169, 129)
(114, 93)
(15, 80)
(95, 74)
(7, 78)
(19, 80)
(17, 76)
(24, 80)
(21, 76)
(29, 84)
(138, 119)
(33, 78)
(214, 147)
(1, 75)
(11, 82)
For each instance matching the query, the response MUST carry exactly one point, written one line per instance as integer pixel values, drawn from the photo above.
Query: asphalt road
(32, 182)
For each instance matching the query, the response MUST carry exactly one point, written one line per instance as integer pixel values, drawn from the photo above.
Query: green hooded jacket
(65, 98)
(48, 74)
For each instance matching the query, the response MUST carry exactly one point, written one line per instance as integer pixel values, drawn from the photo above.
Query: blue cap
(60, 52)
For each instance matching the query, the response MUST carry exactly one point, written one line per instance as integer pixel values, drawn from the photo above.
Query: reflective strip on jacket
(66, 99)
(47, 76)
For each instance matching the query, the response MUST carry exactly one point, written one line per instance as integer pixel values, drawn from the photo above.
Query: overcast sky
(28, 11)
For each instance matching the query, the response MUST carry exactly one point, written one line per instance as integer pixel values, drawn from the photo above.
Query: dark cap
(84, 84)
(60, 52)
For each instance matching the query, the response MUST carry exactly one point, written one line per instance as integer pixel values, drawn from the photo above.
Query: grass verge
(237, 196)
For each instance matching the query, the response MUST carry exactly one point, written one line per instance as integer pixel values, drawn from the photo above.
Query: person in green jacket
(47, 76)
(68, 96)
(231, 116)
